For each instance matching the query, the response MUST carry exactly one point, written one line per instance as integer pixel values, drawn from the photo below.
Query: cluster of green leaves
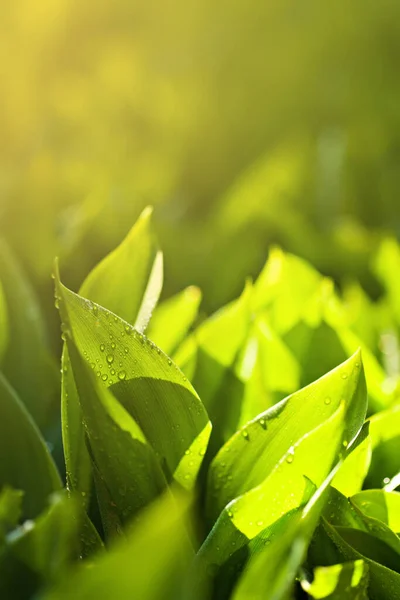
(219, 458)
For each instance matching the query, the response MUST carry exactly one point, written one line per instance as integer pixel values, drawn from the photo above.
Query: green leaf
(253, 452)
(387, 264)
(285, 287)
(271, 573)
(145, 381)
(351, 476)
(348, 581)
(128, 475)
(127, 282)
(151, 563)
(25, 462)
(385, 438)
(268, 370)
(343, 513)
(384, 582)
(39, 552)
(288, 487)
(173, 318)
(27, 363)
(208, 357)
(374, 373)
(380, 505)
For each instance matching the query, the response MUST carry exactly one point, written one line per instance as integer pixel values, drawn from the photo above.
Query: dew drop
(327, 400)
(187, 452)
(245, 434)
(290, 456)
(112, 371)
(95, 310)
(122, 375)
(263, 423)
(102, 347)
(344, 375)
(126, 349)
(104, 377)
(230, 514)
(202, 452)
(169, 362)
(110, 358)
(113, 346)
(128, 330)
(386, 480)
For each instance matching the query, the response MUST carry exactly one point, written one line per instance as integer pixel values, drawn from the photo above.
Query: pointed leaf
(127, 282)
(145, 381)
(271, 573)
(257, 448)
(288, 487)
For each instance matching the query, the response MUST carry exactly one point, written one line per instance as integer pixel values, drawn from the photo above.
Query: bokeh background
(245, 123)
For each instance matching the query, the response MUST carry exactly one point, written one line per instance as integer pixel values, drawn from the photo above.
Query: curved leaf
(254, 451)
(383, 583)
(128, 282)
(271, 573)
(290, 485)
(381, 505)
(128, 475)
(146, 383)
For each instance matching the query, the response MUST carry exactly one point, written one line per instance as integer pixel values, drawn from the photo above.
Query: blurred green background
(245, 123)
